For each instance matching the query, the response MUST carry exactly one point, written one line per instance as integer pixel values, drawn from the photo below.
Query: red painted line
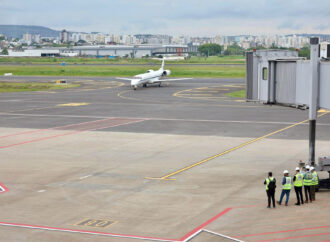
(68, 133)
(39, 139)
(57, 127)
(296, 237)
(283, 231)
(85, 232)
(26, 132)
(205, 224)
(3, 188)
(118, 235)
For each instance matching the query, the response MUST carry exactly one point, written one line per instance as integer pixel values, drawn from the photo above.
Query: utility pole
(313, 98)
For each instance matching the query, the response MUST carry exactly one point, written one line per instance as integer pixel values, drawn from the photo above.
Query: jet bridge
(281, 77)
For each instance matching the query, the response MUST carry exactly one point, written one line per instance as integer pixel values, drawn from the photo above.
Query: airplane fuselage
(149, 77)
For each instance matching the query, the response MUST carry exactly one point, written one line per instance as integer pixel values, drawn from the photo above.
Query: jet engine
(166, 73)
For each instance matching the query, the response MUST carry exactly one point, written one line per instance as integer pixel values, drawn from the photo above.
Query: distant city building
(64, 36)
(27, 38)
(245, 45)
(36, 38)
(116, 39)
(106, 40)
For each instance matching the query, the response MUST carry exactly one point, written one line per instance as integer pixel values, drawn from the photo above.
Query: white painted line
(158, 119)
(3, 189)
(228, 121)
(84, 177)
(225, 236)
(193, 235)
(85, 232)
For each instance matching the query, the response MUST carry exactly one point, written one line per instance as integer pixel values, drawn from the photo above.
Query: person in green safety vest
(298, 180)
(307, 184)
(270, 183)
(286, 187)
(314, 182)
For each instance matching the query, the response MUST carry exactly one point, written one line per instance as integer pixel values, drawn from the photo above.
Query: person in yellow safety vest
(314, 182)
(286, 187)
(270, 183)
(298, 183)
(307, 184)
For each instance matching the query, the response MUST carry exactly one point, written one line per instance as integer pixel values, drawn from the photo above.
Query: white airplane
(151, 77)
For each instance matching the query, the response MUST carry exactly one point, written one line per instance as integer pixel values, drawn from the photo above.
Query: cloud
(325, 26)
(170, 16)
(289, 24)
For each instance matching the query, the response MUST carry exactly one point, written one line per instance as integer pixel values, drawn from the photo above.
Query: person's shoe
(278, 202)
(274, 206)
(268, 206)
(286, 204)
(298, 204)
(306, 201)
(302, 202)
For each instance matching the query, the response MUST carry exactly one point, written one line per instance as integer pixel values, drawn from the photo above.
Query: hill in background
(17, 31)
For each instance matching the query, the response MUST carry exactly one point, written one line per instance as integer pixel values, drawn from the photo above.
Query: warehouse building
(133, 51)
(35, 53)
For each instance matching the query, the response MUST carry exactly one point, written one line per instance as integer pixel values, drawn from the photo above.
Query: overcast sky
(174, 17)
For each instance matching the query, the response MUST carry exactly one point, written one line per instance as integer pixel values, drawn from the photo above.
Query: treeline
(235, 49)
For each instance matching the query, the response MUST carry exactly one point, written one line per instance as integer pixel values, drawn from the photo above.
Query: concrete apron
(61, 183)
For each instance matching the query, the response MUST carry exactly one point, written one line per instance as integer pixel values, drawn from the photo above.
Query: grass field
(24, 87)
(82, 60)
(113, 70)
(237, 94)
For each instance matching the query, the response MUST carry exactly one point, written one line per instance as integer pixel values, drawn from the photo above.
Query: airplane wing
(126, 79)
(175, 79)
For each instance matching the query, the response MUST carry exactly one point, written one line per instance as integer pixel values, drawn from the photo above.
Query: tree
(305, 52)
(81, 42)
(4, 51)
(2, 37)
(234, 50)
(259, 47)
(210, 49)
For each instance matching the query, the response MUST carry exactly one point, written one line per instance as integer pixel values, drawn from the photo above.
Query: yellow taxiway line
(167, 177)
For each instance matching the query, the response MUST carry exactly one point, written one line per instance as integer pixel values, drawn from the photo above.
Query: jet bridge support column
(313, 98)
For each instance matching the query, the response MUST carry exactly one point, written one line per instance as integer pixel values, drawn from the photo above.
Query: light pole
(313, 98)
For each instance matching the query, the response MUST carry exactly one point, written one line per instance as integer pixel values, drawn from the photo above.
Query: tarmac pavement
(184, 161)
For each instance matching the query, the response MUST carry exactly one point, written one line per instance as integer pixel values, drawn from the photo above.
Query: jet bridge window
(264, 73)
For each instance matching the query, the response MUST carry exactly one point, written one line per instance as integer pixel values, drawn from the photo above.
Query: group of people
(305, 177)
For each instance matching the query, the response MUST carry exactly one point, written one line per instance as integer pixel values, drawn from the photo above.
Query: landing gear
(160, 84)
(134, 87)
(144, 85)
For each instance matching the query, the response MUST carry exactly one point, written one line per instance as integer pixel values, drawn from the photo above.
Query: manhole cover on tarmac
(96, 223)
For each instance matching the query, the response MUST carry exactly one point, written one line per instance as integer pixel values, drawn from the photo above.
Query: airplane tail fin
(163, 64)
